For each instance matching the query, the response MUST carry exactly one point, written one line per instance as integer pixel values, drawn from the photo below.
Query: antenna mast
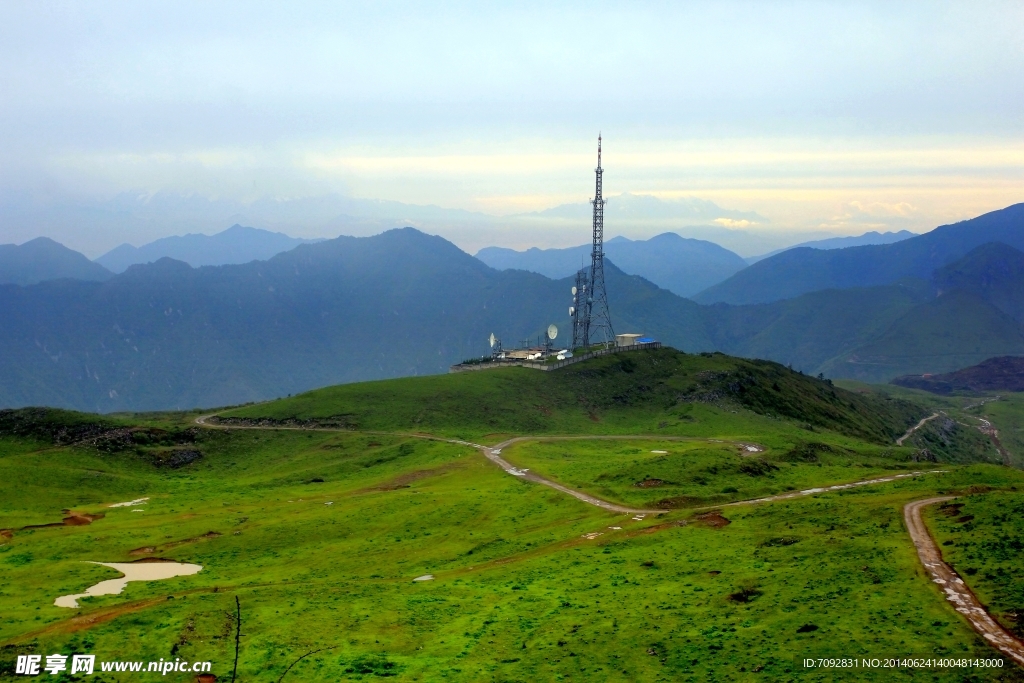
(599, 320)
(580, 311)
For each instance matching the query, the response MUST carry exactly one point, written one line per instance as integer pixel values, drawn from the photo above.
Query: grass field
(655, 474)
(655, 391)
(982, 537)
(319, 534)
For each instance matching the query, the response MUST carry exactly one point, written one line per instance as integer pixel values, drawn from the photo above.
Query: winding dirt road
(899, 441)
(957, 592)
(493, 453)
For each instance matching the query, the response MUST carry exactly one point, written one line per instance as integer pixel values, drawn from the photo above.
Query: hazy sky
(839, 116)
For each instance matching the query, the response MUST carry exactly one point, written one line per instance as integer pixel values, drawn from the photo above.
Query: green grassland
(1007, 414)
(523, 590)
(982, 537)
(669, 474)
(630, 393)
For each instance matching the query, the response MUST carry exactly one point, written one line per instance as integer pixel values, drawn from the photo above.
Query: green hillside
(993, 272)
(955, 330)
(361, 550)
(808, 331)
(652, 391)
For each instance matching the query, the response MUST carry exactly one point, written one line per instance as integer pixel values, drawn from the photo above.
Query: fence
(547, 367)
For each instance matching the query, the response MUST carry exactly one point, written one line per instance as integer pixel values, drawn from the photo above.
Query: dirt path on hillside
(957, 592)
(989, 430)
(493, 453)
(899, 441)
(826, 489)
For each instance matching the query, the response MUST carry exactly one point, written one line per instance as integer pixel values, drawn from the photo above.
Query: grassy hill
(1003, 373)
(652, 391)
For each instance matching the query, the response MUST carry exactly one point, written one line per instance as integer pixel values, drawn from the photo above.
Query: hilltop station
(592, 331)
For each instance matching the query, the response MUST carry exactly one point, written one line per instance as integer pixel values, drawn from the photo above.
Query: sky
(812, 117)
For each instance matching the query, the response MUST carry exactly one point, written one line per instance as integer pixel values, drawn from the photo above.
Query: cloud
(733, 223)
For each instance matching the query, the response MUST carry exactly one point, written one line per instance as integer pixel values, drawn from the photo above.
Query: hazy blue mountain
(810, 330)
(970, 310)
(873, 237)
(798, 271)
(166, 335)
(43, 259)
(237, 244)
(681, 265)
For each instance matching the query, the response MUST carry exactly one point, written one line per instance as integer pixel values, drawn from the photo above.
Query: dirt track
(957, 592)
(493, 453)
(899, 441)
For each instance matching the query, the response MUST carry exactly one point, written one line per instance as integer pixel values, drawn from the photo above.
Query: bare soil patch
(74, 519)
(403, 481)
(150, 549)
(713, 519)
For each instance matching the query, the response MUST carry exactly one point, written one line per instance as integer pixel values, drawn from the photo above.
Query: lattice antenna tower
(579, 312)
(599, 321)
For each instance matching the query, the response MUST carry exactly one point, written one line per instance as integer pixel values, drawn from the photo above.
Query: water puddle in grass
(133, 571)
(129, 503)
(425, 577)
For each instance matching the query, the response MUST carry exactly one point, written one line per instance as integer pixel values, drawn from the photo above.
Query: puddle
(133, 571)
(425, 577)
(660, 452)
(129, 504)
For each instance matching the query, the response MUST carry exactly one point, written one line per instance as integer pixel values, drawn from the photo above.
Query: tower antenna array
(592, 322)
(579, 310)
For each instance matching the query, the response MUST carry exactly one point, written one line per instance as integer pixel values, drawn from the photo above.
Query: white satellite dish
(492, 340)
(552, 331)
(572, 311)
(574, 291)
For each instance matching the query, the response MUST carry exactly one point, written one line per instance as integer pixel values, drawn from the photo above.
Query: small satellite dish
(572, 311)
(574, 291)
(552, 331)
(492, 340)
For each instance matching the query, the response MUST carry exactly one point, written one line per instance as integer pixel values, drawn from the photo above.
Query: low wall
(547, 367)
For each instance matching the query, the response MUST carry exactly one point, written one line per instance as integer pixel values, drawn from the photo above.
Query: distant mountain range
(237, 244)
(166, 335)
(43, 259)
(145, 217)
(681, 265)
(401, 303)
(799, 271)
(873, 237)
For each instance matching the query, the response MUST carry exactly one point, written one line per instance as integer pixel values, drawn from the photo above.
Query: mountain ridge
(802, 270)
(237, 244)
(44, 259)
(679, 264)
